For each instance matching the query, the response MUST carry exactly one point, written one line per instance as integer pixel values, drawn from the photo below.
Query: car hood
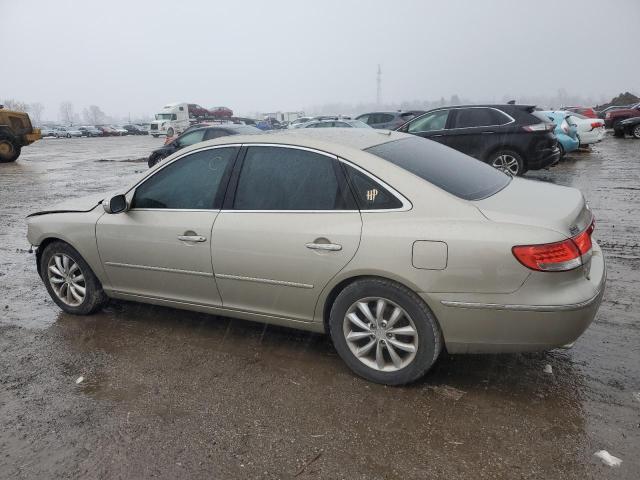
(541, 204)
(80, 204)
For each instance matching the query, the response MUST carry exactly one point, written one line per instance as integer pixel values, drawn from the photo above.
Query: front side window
(275, 178)
(429, 122)
(370, 195)
(190, 183)
(191, 138)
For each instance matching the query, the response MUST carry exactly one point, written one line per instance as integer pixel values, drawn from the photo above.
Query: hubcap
(66, 279)
(636, 132)
(380, 334)
(5, 148)
(507, 163)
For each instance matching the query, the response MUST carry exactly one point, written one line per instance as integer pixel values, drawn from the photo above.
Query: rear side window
(456, 173)
(370, 195)
(479, 117)
(191, 183)
(275, 178)
(191, 138)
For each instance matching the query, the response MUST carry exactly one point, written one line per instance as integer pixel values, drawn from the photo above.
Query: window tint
(448, 169)
(429, 122)
(274, 178)
(191, 138)
(478, 117)
(370, 195)
(212, 133)
(189, 183)
(381, 118)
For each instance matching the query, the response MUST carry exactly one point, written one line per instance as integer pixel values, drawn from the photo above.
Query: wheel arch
(513, 148)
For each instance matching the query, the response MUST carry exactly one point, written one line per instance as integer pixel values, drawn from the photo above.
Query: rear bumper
(544, 158)
(493, 324)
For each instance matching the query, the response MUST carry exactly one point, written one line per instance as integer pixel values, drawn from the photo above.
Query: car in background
(89, 131)
(397, 248)
(47, 132)
(120, 130)
(585, 111)
(566, 132)
(220, 112)
(508, 137)
(612, 117)
(107, 131)
(335, 124)
(196, 111)
(630, 126)
(299, 121)
(589, 130)
(197, 135)
(135, 129)
(388, 120)
(67, 132)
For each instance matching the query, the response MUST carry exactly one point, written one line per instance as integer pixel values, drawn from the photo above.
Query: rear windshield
(461, 175)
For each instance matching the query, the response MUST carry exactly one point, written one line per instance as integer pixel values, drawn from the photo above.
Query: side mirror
(115, 204)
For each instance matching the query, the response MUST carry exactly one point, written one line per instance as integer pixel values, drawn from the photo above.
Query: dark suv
(511, 138)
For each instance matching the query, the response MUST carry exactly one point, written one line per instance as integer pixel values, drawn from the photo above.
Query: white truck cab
(172, 120)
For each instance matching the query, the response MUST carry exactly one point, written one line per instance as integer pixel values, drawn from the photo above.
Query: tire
(9, 150)
(618, 133)
(507, 161)
(415, 314)
(562, 150)
(170, 132)
(68, 135)
(94, 297)
(636, 132)
(154, 159)
(155, 136)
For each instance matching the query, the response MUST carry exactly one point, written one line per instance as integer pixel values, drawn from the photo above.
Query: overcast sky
(135, 56)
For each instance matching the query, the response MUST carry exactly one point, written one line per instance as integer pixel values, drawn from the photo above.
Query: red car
(586, 111)
(612, 117)
(196, 111)
(221, 112)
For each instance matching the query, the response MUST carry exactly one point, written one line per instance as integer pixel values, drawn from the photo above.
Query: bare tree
(66, 112)
(17, 105)
(93, 115)
(35, 111)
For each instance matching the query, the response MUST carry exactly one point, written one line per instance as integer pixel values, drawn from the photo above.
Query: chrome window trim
(511, 119)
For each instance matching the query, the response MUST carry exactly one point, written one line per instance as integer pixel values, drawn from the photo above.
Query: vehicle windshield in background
(165, 116)
(456, 173)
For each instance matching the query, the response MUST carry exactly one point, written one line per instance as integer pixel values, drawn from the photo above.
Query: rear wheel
(508, 161)
(636, 131)
(384, 332)
(70, 281)
(9, 150)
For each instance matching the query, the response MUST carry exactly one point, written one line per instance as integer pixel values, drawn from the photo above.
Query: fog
(130, 58)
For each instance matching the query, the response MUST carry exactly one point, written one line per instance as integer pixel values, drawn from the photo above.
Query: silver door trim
(530, 308)
(267, 281)
(159, 269)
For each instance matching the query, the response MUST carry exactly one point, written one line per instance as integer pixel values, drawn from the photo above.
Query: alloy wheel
(506, 163)
(380, 334)
(67, 279)
(636, 131)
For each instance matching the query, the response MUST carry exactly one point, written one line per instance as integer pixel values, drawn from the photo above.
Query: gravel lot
(174, 394)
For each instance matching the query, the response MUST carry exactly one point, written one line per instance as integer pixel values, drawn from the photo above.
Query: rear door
(289, 224)
(476, 130)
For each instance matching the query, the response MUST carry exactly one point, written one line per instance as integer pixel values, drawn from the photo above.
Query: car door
(161, 246)
(471, 130)
(431, 125)
(289, 226)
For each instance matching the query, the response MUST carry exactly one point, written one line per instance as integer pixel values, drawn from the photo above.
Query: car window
(212, 133)
(363, 118)
(274, 178)
(429, 122)
(444, 167)
(191, 138)
(477, 117)
(370, 195)
(191, 182)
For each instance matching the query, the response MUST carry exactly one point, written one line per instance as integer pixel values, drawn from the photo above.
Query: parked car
(336, 123)
(388, 120)
(298, 122)
(508, 137)
(195, 126)
(613, 117)
(585, 111)
(121, 131)
(107, 131)
(47, 132)
(476, 261)
(221, 112)
(196, 111)
(135, 130)
(602, 113)
(68, 132)
(565, 131)
(589, 130)
(89, 131)
(198, 135)
(630, 126)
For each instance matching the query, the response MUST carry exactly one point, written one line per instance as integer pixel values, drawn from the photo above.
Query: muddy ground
(173, 394)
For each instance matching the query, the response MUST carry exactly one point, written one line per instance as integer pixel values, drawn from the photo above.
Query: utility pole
(379, 82)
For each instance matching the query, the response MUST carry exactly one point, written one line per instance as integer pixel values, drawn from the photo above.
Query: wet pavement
(174, 394)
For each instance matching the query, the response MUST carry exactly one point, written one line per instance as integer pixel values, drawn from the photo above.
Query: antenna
(379, 84)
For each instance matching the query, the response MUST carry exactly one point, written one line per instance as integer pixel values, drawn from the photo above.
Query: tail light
(565, 127)
(559, 256)
(540, 127)
(595, 125)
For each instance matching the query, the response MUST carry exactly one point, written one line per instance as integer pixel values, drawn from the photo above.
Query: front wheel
(9, 151)
(384, 332)
(507, 161)
(70, 281)
(170, 132)
(636, 131)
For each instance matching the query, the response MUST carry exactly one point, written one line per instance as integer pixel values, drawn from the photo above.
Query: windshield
(164, 116)
(446, 168)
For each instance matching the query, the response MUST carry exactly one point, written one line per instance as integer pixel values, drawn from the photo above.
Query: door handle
(330, 247)
(192, 238)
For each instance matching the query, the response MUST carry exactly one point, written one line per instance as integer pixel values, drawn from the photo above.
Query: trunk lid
(530, 202)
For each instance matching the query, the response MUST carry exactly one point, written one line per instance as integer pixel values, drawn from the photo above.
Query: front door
(290, 226)
(161, 247)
